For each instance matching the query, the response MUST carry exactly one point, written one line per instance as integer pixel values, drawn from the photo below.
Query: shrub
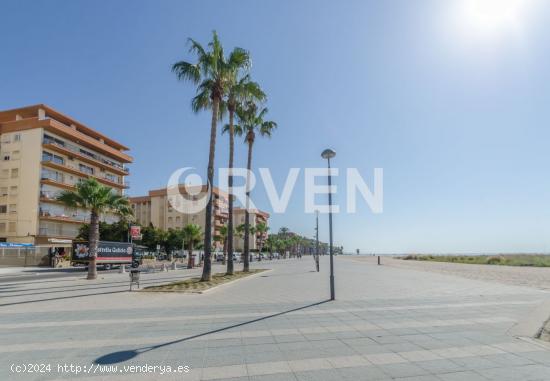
(494, 260)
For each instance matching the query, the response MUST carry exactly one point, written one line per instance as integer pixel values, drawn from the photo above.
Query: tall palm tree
(261, 229)
(251, 121)
(98, 199)
(240, 90)
(212, 73)
(192, 234)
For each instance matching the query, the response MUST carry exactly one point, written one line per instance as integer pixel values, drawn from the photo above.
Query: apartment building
(156, 209)
(255, 217)
(43, 152)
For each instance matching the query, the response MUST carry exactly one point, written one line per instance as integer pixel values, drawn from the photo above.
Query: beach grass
(194, 285)
(532, 260)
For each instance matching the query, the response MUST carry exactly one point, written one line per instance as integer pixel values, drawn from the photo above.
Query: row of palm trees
(224, 86)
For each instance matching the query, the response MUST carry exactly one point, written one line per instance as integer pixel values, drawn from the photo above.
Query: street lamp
(317, 239)
(329, 154)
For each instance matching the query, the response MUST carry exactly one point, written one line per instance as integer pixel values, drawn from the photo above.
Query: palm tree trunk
(93, 239)
(224, 251)
(230, 184)
(207, 268)
(246, 245)
(190, 261)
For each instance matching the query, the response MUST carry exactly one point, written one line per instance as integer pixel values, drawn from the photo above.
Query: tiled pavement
(387, 323)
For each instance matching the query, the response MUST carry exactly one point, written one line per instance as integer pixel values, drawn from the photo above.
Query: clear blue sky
(452, 103)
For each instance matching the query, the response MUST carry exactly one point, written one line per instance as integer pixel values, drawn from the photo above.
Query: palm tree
(222, 237)
(250, 122)
(240, 90)
(98, 199)
(272, 243)
(212, 74)
(192, 233)
(239, 232)
(261, 229)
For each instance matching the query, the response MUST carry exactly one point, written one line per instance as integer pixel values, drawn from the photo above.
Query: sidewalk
(387, 323)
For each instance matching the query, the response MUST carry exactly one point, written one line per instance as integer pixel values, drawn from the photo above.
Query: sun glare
(493, 17)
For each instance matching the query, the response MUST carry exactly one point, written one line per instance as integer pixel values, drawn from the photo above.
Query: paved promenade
(388, 323)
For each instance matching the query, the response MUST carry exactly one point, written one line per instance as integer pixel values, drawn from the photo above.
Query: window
(52, 175)
(3, 208)
(13, 208)
(47, 156)
(17, 137)
(13, 190)
(178, 220)
(14, 173)
(6, 157)
(51, 140)
(12, 226)
(2, 227)
(15, 155)
(4, 191)
(110, 177)
(86, 169)
(5, 173)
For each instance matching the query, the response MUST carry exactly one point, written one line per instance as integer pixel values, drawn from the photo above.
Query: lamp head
(328, 154)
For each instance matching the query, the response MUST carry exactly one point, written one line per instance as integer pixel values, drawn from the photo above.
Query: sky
(451, 99)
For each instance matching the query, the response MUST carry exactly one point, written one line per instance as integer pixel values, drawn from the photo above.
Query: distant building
(155, 209)
(255, 217)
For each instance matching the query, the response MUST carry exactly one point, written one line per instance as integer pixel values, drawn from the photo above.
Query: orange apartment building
(156, 209)
(43, 152)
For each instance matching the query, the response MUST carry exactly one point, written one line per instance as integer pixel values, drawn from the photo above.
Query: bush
(494, 260)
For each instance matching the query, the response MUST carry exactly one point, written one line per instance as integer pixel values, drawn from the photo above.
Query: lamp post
(317, 239)
(329, 154)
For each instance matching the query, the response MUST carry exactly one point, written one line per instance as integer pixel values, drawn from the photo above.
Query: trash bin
(134, 277)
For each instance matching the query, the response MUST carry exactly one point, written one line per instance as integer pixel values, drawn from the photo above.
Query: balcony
(73, 218)
(75, 171)
(89, 157)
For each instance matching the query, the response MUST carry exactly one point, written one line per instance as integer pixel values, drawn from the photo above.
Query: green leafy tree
(212, 73)
(115, 232)
(251, 121)
(98, 199)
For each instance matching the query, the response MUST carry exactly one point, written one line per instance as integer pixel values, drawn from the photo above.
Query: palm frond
(187, 71)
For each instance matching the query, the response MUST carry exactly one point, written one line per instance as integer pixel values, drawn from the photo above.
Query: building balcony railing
(61, 217)
(92, 158)
(76, 171)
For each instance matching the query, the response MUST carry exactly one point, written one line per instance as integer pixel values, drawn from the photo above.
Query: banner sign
(12, 244)
(135, 231)
(105, 250)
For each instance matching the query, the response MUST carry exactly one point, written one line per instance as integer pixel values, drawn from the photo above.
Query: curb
(211, 288)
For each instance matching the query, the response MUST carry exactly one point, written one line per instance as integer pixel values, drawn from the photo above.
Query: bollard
(174, 267)
(122, 269)
(164, 267)
(378, 260)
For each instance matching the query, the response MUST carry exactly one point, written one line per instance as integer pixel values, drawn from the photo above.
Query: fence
(24, 256)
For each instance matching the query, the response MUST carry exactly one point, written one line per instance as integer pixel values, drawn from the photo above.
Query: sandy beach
(535, 277)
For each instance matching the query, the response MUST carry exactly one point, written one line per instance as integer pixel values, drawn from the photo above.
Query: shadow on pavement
(82, 287)
(121, 356)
